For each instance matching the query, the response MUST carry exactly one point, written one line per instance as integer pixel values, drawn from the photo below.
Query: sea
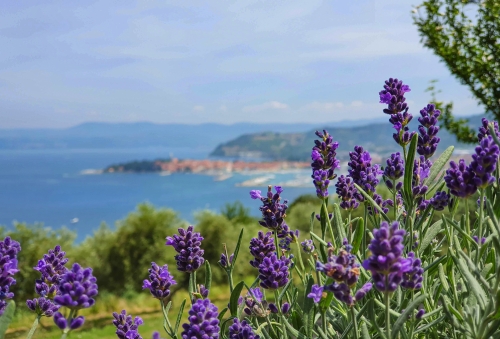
(51, 187)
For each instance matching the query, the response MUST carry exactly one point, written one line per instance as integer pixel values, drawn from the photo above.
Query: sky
(226, 61)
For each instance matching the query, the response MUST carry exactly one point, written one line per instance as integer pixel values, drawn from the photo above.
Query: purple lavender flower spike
(203, 322)
(395, 168)
(187, 245)
(8, 268)
(273, 308)
(241, 330)
(385, 263)
(255, 194)
(43, 307)
(316, 293)
(421, 171)
(274, 272)
(362, 172)
(160, 281)
(427, 139)
(484, 162)
(273, 211)
(381, 202)
(361, 293)
(285, 308)
(459, 179)
(440, 200)
(261, 247)
(393, 95)
(324, 163)
(420, 313)
(484, 130)
(412, 279)
(223, 260)
(476, 239)
(307, 246)
(62, 322)
(347, 193)
(125, 325)
(156, 335)
(77, 288)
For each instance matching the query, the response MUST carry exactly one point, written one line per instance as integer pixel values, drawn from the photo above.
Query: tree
(465, 34)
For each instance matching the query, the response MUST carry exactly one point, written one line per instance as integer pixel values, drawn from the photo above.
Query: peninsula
(204, 166)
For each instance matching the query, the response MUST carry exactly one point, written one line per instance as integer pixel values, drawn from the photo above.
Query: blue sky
(67, 62)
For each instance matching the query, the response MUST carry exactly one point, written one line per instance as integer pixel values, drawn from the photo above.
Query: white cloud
(271, 105)
(322, 106)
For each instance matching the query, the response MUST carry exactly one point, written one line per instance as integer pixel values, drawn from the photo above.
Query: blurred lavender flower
(204, 291)
(412, 278)
(287, 236)
(318, 217)
(8, 267)
(385, 263)
(261, 247)
(203, 321)
(316, 293)
(459, 179)
(380, 202)
(395, 169)
(347, 193)
(126, 328)
(159, 281)
(324, 163)
(476, 239)
(62, 322)
(420, 313)
(421, 171)
(427, 140)
(362, 172)
(484, 130)
(274, 272)
(440, 200)
(187, 245)
(241, 330)
(273, 211)
(484, 162)
(51, 267)
(43, 307)
(77, 288)
(308, 246)
(255, 304)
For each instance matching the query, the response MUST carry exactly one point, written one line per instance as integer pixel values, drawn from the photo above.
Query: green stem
(230, 279)
(301, 264)
(387, 313)
(192, 285)
(467, 224)
(34, 327)
(276, 243)
(394, 193)
(481, 214)
(354, 322)
(323, 321)
(364, 232)
(350, 226)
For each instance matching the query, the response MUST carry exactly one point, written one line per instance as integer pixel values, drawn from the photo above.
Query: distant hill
(375, 137)
(141, 134)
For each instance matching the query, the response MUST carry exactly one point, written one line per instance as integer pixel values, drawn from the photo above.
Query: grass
(98, 323)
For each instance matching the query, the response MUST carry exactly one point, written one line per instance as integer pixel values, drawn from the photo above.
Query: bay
(47, 186)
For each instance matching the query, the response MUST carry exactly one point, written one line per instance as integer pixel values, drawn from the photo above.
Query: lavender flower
(347, 193)
(393, 95)
(420, 313)
(287, 236)
(52, 265)
(459, 179)
(412, 279)
(380, 202)
(223, 260)
(273, 211)
(159, 281)
(400, 123)
(261, 247)
(8, 267)
(43, 307)
(484, 162)
(324, 163)
(255, 304)
(274, 272)
(440, 200)
(307, 246)
(421, 171)
(187, 245)
(395, 168)
(427, 140)
(316, 293)
(62, 322)
(484, 130)
(385, 263)
(126, 328)
(77, 287)
(362, 172)
(241, 330)
(203, 322)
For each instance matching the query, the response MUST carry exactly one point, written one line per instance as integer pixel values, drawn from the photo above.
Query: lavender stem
(34, 327)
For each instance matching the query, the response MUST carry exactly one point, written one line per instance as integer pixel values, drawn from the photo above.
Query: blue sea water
(47, 186)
